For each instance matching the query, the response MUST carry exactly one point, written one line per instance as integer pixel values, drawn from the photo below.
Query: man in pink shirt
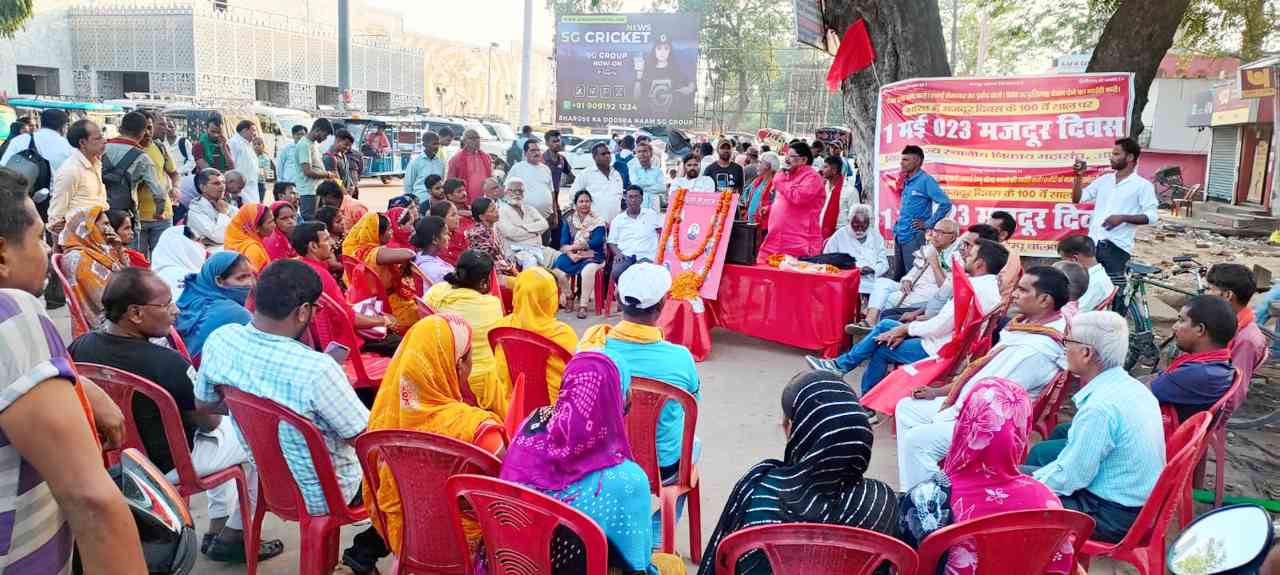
(471, 165)
(799, 192)
(1236, 284)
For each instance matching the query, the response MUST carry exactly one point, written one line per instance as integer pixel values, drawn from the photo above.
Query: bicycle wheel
(1144, 355)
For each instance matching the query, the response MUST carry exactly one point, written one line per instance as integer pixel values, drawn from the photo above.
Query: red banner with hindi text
(1003, 144)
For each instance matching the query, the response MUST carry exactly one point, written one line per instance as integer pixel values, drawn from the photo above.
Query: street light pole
(488, 95)
(526, 62)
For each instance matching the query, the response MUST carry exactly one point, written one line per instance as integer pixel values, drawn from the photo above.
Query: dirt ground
(1253, 456)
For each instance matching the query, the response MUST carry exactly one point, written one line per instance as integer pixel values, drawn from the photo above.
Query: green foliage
(13, 14)
(559, 7)
(1241, 28)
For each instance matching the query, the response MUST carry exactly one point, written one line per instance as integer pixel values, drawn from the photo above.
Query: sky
(480, 22)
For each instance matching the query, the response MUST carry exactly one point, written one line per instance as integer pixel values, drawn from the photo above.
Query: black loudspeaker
(742, 243)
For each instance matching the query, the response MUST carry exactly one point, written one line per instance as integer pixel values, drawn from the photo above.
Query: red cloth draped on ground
(799, 309)
(855, 53)
(899, 384)
(832, 211)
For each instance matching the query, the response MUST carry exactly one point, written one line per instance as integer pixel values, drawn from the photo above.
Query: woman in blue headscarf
(214, 297)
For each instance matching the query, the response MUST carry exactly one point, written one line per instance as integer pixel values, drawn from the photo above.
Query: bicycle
(1143, 350)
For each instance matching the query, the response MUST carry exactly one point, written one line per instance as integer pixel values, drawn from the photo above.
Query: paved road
(739, 422)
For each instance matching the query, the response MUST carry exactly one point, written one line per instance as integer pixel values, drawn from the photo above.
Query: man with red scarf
(832, 173)
(1236, 284)
(1195, 380)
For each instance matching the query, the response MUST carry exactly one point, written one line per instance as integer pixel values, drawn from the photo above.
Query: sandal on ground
(206, 541)
(582, 313)
(224, 552)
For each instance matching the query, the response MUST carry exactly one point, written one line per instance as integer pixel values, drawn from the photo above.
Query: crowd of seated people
(241, 286)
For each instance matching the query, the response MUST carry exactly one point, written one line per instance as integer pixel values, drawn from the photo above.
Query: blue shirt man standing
(922, 204)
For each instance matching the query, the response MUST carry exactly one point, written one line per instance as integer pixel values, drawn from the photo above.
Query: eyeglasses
(942, 231)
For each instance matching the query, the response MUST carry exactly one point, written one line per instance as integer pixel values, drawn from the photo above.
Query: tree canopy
(13, 14)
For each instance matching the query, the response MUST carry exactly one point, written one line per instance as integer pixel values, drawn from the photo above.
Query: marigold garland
(688, 283)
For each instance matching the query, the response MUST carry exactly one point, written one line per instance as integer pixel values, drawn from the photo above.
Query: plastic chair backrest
(421, 462)
(648, 396)
(985, 338)
(363, 282)
(344, 332)
(260, 421)
(1105, 304)
(1014, 542)
(527, 353)
(79, 322)
(122, 387)
(179, 346)
(421, 283)
(1044, 414)
(1221, 410)
(1188, 444)
(816, 549)
(518, 525)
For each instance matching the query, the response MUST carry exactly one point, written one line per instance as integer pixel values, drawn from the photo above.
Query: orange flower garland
(687, 284)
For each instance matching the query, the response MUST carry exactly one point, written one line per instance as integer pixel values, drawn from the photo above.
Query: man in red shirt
(471, 165)
(312, 242)
(1236, 284)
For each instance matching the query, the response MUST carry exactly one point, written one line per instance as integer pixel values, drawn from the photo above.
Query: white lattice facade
(192, 48)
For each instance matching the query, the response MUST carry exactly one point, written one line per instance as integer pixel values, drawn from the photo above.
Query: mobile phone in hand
(337, 351)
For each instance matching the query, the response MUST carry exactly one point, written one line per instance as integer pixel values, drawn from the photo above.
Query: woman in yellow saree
(366, 242)
(535, 302)
(87, 260)
(422, 391)
(247, 233)
(465, 292)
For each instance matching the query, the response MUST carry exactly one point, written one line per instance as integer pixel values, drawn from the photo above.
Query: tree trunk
(907, 36)
(1135, 39)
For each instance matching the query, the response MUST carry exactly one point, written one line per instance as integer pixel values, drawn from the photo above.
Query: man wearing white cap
(635, 344)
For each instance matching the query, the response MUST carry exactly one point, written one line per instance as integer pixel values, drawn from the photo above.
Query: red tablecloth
(808, 311)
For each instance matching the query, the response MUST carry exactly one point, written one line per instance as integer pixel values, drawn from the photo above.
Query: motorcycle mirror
(1227, 541)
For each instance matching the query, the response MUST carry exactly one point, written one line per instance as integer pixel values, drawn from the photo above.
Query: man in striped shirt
(1106, 461)
(54, 492)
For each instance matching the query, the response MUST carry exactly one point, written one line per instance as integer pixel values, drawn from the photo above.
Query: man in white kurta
(521, 227)
(1027, 355)
(858, 241)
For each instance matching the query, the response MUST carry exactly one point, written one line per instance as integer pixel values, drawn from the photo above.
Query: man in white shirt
(858, 241)
(1122, 201)
(647, 173)
(928, 273)
(603, 183)
(633, 234)
(210, 212)
(286, 166)
(902, 343)
(536, 175)
(521, 228)
(51, 143)
(246, 160)
(1030, 354)
(1081, 250)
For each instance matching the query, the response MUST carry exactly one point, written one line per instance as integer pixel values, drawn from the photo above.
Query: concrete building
(287, 56)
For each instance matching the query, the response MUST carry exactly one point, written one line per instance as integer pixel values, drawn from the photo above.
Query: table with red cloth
(805, 310)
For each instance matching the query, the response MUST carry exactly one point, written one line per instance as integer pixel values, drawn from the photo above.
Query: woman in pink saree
(980, 475)
(795, 228)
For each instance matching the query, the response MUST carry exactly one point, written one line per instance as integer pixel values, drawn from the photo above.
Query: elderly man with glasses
(1105, 462)
(930, 271)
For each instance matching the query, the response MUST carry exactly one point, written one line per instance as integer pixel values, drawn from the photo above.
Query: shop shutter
(1224, 163)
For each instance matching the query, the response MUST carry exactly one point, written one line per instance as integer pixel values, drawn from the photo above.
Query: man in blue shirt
(1202, 374)
(423, 165)
(917, 211)
(1107, 460)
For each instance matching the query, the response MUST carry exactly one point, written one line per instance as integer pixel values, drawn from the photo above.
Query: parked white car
(579, 156)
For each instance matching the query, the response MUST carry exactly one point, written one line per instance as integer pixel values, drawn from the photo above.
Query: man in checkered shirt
(265, 358)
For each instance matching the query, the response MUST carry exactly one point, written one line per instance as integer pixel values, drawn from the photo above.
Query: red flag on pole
(855, 54)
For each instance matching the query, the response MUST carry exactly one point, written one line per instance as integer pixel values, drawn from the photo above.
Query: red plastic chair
(421, 283)
(648, 396)
(1105, 304)
(1143, 546)
(363, 283)
(1016, 542)
(817, 549)
(424, 309)
(518, 525)
(80, 323)
(260, 421)
(1044, 414)
(527, 353)
(361, 369)
(122, 386)
(421, 462)
(175, 339)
